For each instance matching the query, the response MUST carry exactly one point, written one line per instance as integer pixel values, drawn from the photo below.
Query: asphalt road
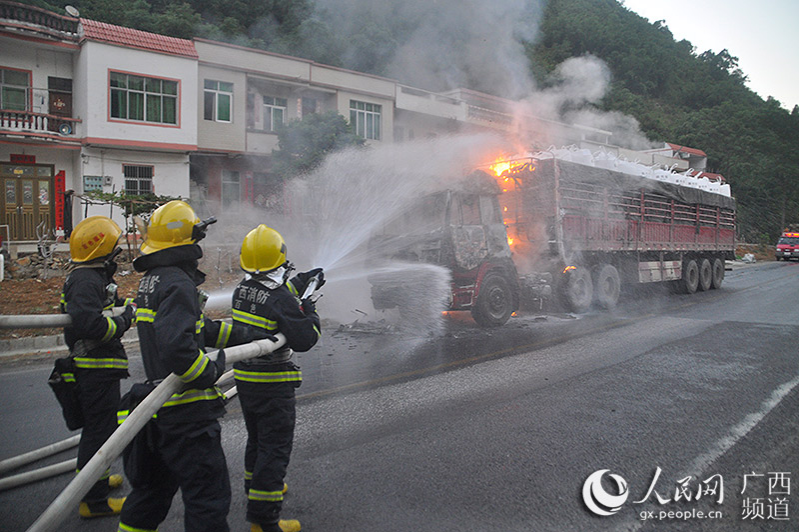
(683, 398)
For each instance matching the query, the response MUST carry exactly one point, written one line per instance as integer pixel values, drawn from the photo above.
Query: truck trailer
(538, 231)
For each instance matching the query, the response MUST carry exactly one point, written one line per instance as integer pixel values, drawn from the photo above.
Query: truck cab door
(468, 233)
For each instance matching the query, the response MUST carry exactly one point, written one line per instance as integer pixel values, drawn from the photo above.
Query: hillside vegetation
(677, 93)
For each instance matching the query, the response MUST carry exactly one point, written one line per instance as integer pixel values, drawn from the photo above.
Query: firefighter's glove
(213, 371)
(129, 316)
(308, 306)
(305, 278)
(220, 362)
(263, 335)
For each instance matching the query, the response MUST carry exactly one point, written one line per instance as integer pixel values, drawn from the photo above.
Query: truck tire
(705, 275)
(690, 277)
(718, 273)
(607, 286)
(578, 291)
(494, 304)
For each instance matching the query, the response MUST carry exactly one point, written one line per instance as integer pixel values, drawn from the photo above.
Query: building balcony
(31, 19)
(46, 126)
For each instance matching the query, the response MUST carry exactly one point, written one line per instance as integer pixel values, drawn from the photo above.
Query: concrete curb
(36, 345)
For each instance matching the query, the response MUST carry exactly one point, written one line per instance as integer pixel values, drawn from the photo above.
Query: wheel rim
(497, 302)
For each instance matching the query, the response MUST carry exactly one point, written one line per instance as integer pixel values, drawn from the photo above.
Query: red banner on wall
(60, 187)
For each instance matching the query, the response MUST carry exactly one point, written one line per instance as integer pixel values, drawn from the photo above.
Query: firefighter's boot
(285, 525)
(114, 481)
(104, 508)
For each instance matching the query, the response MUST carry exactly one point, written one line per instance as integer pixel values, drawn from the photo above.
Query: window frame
(139, 179)
(216, 93)
(366, 119)
(26, 89)
(225, 182)
(151, 95)
(269, 109)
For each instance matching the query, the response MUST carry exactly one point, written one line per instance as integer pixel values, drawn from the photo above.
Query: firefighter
(266, 385)
(96, 352)
(183, 439)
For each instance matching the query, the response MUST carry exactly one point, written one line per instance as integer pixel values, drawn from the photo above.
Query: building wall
(170, 174)
(97, 60)
(42, 60)
(221, 136)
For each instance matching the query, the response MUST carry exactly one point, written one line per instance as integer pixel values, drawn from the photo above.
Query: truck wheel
(718, 273)
(690, 277)
(705, 275)
(607, 286)
(579, 291)
(494, 302)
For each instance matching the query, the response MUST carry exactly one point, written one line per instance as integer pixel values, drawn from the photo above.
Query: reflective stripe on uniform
(196, 369)
(252, 319)
(267, 376)
(224, 335)
(112, 329)
(122, 415)
(68, 377)
(63, 303)
(127, 528)
(247, 475)
(192, 396)
(145, 315)
(198, 327)
(270, 496)
(101, 363)
(292, 289)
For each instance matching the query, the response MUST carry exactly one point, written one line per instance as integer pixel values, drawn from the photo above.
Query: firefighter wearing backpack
(183, 441)
(96, 352)
(265, 300)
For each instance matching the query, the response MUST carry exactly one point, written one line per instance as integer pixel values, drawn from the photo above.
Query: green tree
(303, 144)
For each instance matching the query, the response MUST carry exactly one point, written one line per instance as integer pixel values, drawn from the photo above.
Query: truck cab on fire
(461, 229)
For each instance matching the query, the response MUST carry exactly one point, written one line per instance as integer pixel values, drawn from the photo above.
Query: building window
(138, 179)
(143, 98)
(308, 106)
(231, 188)
(14, 86)
(365, 117)
(218, 99)
(274, 112)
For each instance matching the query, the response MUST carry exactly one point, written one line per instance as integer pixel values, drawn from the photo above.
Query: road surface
(680, 399)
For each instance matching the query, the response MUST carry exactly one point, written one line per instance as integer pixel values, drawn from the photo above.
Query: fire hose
(137, 419)
(44, 321)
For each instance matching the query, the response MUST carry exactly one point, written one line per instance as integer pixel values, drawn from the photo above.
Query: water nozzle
(198, 231)
(312, 283)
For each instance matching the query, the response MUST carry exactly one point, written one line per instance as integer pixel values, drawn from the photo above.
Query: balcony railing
(40, 20)
(25, 121)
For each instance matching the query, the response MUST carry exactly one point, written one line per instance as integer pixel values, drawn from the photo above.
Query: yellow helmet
(171, 225)
(262, 250)
(93, 238)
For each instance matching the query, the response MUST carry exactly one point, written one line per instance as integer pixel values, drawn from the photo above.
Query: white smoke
(479, 45)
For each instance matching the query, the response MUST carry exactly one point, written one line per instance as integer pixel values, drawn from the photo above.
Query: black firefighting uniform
(100, 360)
(266, 388)
(185, 434)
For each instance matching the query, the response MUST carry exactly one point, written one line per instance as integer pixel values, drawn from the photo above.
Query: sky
(763, 35)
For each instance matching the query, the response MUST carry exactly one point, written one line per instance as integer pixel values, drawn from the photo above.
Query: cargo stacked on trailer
(596, 230)
(535, 229)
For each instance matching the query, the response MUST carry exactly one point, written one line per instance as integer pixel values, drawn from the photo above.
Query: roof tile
(111, 34)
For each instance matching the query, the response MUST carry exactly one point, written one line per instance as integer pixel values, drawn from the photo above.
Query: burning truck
(545, 230)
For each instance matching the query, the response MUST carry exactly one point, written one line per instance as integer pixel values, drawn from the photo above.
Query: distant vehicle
(787, 246)
(533, 229)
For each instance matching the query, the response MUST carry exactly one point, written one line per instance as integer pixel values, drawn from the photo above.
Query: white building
(88, 106)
